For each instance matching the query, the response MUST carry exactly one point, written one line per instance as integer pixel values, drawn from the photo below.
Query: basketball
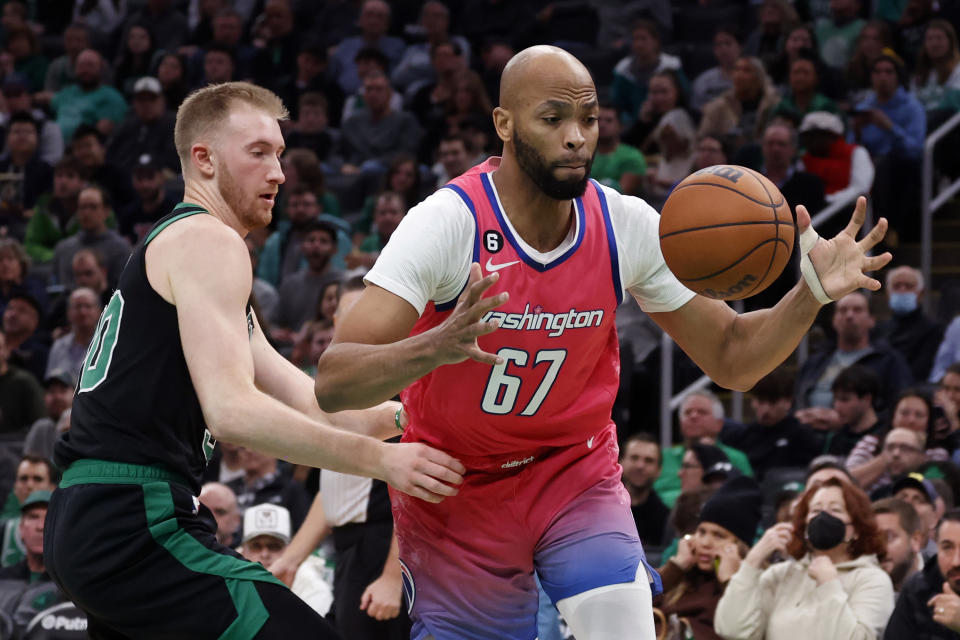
(726, 232)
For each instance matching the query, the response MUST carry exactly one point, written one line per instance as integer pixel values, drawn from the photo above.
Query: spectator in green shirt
(616, 164)
(34, 473)
(88, 101)
(701, 419)
(53, 216)
(838, 34)
(387, 214)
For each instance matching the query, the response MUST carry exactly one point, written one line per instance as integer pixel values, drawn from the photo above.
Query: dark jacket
(912, 619)
(697, 602)
(651, 518)
(37, 178)
(916, 337)
(785, 444)
(274, 488)
(888, 364)
(800, 188)
(135, 138)
(22, 596)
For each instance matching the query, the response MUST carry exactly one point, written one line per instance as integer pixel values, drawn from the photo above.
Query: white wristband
(807, 240)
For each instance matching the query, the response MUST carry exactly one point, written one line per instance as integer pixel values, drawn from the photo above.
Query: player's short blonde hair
(204, 109)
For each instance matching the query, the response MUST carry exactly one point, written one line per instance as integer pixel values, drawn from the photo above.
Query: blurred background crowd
(826, 506)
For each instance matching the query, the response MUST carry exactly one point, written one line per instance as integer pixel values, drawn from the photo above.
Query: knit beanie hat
(713, 460)
(735, 507)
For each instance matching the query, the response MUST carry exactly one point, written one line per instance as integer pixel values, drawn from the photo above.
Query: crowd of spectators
(388, 101)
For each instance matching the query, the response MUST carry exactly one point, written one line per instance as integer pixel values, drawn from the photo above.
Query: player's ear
(503, 123)
(201, 156)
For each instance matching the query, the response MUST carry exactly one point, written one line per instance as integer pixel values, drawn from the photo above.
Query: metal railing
(929, 204)
(669, 401)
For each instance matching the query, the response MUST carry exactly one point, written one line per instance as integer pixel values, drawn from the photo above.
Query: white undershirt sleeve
(643, 272)
(428, 257)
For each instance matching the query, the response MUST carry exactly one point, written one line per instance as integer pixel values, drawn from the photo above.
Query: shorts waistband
(89, 471)
(496, 463)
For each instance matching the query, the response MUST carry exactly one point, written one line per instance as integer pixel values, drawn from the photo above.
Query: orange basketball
(726, 232)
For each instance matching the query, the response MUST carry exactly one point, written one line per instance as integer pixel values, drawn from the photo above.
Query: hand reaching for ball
(842, 262)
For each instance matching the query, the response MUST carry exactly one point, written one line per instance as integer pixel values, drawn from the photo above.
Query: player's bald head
(540, 70)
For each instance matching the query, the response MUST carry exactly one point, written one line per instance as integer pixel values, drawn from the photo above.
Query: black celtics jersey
(135, 402)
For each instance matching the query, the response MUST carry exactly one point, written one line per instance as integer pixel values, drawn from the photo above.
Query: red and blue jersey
(557, 338)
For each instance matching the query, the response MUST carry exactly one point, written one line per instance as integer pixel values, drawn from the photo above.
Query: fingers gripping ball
(726, 232)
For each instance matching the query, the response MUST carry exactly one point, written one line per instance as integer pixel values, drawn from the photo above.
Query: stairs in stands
(945, 271)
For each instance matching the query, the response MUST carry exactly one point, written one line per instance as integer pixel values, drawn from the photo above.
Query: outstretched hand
(421, 471)
(456, 337)
(842, 262)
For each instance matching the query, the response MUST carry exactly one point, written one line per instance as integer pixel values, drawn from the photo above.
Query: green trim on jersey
(90, 471)
(100, 350)
(238, 574)
(182, 210)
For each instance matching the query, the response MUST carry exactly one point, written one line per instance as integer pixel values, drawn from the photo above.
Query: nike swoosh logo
(497, 267)
(590, 442)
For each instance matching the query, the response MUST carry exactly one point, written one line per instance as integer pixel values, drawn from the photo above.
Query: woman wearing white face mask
(831, 586)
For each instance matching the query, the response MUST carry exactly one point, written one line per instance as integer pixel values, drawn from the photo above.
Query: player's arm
(737, 350)
(311, 533)
(279, 378)
(209, 278)
(383, 597)
(371, 358)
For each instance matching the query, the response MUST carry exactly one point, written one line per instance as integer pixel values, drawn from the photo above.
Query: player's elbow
(224, 419)
(329, 388)
(742, 384)
(329, 395)
(734, 380)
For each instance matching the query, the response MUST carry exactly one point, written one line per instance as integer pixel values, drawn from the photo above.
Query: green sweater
(667, 485)
(787, 107)
(44, 232)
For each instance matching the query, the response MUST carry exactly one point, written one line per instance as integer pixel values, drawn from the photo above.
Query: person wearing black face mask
(831, 585)
(909, 330)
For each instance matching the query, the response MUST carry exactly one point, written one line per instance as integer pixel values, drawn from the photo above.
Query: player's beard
(244, 208)
(541, 172)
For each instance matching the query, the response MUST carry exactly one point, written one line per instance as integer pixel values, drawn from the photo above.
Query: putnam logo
(539, 320)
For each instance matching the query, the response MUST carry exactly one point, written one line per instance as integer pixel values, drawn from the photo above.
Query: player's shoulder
(442, 201)
(198, 232)
(198, 242)
(625, 207)
(442, 209)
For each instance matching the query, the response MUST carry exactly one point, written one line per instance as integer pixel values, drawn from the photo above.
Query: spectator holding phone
(694, 579)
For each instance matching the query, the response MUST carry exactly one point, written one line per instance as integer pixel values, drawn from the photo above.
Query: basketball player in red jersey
(492, 308)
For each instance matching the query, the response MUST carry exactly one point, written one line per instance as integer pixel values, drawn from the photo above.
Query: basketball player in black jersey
(179, 360)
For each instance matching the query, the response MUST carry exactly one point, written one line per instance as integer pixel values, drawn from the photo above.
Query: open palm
(843, 262)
